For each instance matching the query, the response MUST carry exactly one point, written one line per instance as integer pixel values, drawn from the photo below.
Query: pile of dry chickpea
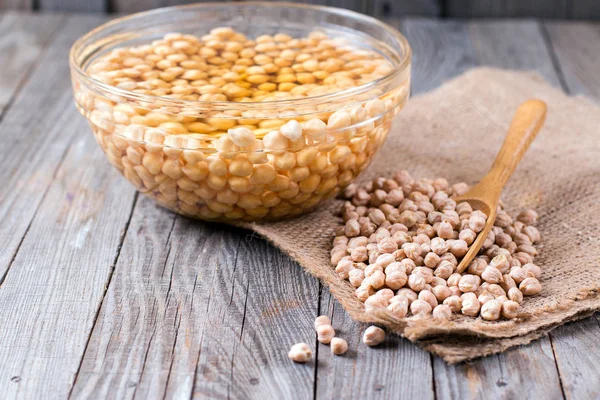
(403, 239)
(234, 155)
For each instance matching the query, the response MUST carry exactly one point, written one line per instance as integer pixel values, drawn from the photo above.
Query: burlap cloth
(455, 132)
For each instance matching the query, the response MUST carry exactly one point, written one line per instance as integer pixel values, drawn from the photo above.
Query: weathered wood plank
(74, 5)
(585, 9)
(514, 45)
(50, 296)
(525, 372)
(507, 8)
(394, 369)
(281, 301)
(404, 8)
(23, 38)
(441, 50)
(134, 337)
(577, 49)
(198, 309)
(131, 6)
(575, 345)
(23, 5)
(577, 357)
(33, 122)
(464, 45)
(361, 6)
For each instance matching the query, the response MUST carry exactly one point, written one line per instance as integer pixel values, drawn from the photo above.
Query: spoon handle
(526, 124)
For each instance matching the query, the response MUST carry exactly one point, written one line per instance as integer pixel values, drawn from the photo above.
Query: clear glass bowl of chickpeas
(241, 111)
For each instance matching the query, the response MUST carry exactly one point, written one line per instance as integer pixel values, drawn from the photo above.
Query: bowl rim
(400, 67)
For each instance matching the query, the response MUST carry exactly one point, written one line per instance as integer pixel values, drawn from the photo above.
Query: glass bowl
(178, 151)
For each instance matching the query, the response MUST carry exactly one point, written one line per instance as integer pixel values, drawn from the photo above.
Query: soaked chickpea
(232, 160)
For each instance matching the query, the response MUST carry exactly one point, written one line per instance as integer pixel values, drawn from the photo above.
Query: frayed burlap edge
(307, 239)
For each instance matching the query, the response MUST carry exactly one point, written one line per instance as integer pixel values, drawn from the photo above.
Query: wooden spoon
(484, 196)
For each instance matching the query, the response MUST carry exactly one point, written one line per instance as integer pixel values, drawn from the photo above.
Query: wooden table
(104, 294)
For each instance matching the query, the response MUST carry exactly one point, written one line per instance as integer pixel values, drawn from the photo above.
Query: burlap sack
(455, 132)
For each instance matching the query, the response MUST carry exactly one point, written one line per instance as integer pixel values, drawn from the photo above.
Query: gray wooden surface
(556, 9)
(105, 295)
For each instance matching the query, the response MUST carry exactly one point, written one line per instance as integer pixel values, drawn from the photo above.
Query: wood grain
(585, 9)
(86, 6)
(577, 50)
(507, 8)
(415, 8)
(575, 345)
(23, 38)
(51, 294)
(441, 50)
(496, 377)
(22, 5)
(361, 6)
(577, 356)
(394, 369)
(514, 45)
(32, 122)
(198, 309)
(281, 301)
(131, 6)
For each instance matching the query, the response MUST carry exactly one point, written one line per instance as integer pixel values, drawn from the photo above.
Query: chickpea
(454, 279)
(383, 260)
(470, 305)
(344, 267)
(356, 277)
(445, 230)
(530, 286)
(373, 336)
(477, 266)
(375, 301)
(416, 282)
(325, 333)
(533, 270)
(364, 291)
(469, 283)
(420, 307)
(338, 346)
(510, 309)
(528, 217)
(477, 222)
(467, 235)
(377, 279)
(454, 303)
(491, 310)
(322, 320)
(501, 263)
(441, 293)
(459, 248)
(491, 275)
(395, 280)
(429, 297)
(409, 294)
(300, 353)
(442, 311)
(398, 306)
